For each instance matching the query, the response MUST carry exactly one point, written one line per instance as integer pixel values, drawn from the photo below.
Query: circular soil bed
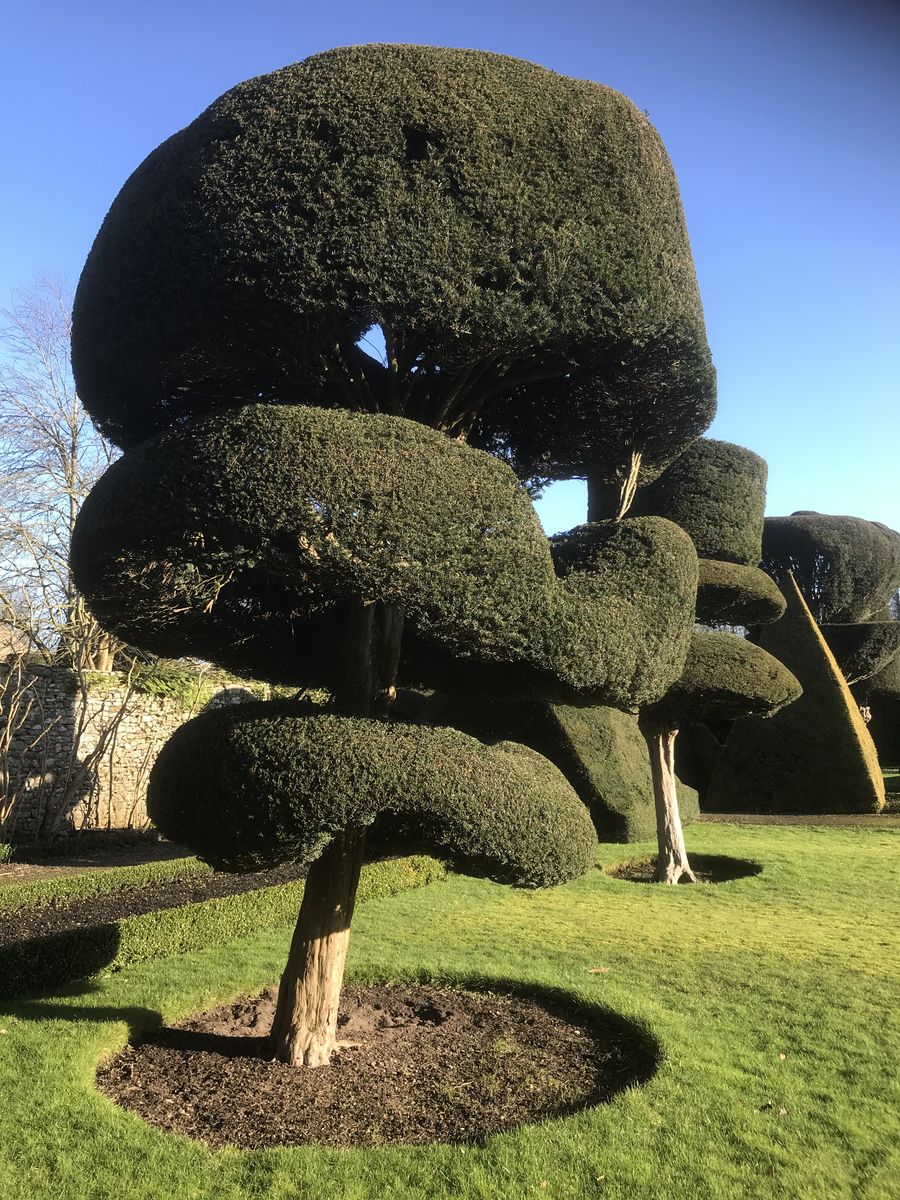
(709, 868)
(421, 1064)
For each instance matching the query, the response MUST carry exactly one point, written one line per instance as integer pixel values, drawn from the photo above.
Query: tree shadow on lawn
(709, 868)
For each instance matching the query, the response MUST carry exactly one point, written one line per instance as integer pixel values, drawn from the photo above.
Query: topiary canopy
(502, 224)
(261, 784)
(238, 537)
(652, 398)
(716, 492)
(845, 567)
(731, 594)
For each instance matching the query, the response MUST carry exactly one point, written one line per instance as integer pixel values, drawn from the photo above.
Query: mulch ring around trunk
(421, 1064)
(709, 868)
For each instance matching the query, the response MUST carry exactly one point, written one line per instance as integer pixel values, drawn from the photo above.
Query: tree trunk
(304, 1032)
(672, 864)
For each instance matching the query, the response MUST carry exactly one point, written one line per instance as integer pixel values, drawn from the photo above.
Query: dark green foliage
(45, 962)
(726, 677)
(716, 492)
(883, 685)
(732, 594)
(239, 537)
(599, 750)
(813, 756)
(653, 398)
(863, 648)
(499, 221)
(881, 692)
(846, 567)
(697, 752)
(258, 785)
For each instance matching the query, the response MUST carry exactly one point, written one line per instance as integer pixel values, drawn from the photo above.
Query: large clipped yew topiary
(501, 225)
(716, 492)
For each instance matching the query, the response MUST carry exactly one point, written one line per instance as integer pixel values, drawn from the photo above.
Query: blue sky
(781, 119)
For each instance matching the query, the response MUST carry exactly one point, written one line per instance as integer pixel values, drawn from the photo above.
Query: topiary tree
(501, 224)
(724, 677)
(716, 492)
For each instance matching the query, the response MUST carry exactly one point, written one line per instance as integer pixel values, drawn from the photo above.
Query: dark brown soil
(709, 868)
(421, 1065)
(133, 901)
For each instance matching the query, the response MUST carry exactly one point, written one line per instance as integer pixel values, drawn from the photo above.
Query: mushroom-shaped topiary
(499, 222)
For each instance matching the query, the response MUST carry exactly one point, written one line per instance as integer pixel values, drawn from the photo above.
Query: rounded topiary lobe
(239, 537)
(846, 567)
(261, 784)
(600, 751)
(716, 492)
(726, 677)
(863, 648)
(732, 594)
(498, 220)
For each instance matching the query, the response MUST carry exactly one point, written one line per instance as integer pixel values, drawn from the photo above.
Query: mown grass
(775, 999)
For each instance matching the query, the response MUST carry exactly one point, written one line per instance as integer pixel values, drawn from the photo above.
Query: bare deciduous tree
(50, 457)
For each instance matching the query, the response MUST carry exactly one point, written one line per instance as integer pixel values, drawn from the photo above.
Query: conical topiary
(816, 755)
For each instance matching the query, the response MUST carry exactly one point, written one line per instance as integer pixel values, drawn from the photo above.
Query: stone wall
(76, 752)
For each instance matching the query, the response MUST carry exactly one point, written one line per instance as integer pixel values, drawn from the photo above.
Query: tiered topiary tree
(500, 224)
(880, 694)
(716, 492)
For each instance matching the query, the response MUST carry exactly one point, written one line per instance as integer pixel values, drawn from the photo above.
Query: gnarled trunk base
(672, 864)
(305, 1027)
(304, 1031)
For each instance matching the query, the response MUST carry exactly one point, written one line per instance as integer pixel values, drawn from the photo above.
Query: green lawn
(800, 962)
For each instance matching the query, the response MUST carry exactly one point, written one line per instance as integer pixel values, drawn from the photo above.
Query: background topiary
(815, 755)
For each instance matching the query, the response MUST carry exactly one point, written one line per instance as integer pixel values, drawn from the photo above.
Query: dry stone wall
(75, 753)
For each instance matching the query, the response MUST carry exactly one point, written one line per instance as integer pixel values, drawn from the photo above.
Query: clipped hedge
(259, 785)
(243, 534)
(474, 205)
(716, 492)
(66, 889)
(47, 962)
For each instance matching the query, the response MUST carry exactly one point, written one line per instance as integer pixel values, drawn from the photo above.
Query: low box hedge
(66, 889)
(41, 963)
